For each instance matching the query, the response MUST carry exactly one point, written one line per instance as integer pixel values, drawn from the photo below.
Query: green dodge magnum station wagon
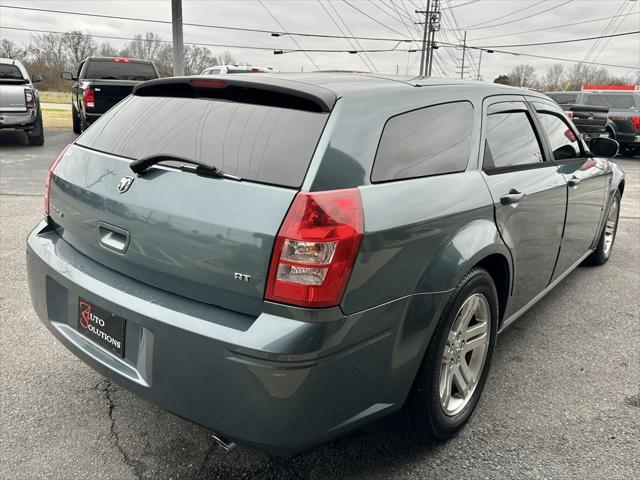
(283, 258)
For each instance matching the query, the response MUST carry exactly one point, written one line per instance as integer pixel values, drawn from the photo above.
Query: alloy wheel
(464, 354)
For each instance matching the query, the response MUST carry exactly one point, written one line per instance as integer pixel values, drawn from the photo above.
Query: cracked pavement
(562, 399)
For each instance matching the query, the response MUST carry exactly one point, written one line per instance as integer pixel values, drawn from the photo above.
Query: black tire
(601, 254)
(36, 135)
(75, 118)
(423, 413)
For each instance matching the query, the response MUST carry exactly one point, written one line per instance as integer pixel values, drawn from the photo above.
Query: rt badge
(124, 184)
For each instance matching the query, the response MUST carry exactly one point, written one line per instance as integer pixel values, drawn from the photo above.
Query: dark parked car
(623, 107)
(284, 258)
(101, 82)
(20, 101)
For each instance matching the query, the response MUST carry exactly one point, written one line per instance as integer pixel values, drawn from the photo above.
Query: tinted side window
(511, 141)
(563, 141)
(428, 141)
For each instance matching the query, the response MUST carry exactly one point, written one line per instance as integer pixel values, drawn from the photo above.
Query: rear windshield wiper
(141, 165)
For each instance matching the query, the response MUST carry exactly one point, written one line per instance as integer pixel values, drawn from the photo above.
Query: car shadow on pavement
(13, 138)
(378, 447)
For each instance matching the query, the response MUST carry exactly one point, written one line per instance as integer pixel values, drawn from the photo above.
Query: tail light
(316, 248)
(89, 98)
(635, 123)
(29, 98)
(47, 183)
(569, 114)
(121, 60)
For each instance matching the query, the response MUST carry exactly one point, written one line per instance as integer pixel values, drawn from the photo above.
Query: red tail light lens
(47, 183)
(29, 98)
(316, 248)
(635, 123)
(89, 98)
(121, 60)
(569, 114)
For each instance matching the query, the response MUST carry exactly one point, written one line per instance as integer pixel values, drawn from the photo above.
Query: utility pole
(434, 26)
(479, 65)
(424, 37)
(464, 50)
(178, 46)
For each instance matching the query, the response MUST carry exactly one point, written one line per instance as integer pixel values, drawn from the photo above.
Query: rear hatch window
(119, 69)
(260, 143)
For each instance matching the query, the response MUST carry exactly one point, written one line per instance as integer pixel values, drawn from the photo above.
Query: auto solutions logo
(92, 322)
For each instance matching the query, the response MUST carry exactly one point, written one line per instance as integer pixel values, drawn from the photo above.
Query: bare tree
(9, 49)
(106, 50)
(78, 46)
(225, 58)
(554, 79)
(48, 49)
(523, 76)
(196, 59)
(146, 47)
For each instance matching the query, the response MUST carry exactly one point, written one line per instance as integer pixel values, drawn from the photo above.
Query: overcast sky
(489, 23)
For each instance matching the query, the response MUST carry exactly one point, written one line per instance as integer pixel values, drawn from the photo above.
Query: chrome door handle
(512, 198)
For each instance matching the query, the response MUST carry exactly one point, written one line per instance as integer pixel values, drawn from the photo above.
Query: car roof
(9, 61)
(105, 59)
(343, 83)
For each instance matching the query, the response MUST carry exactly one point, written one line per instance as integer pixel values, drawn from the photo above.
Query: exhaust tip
(227, 446)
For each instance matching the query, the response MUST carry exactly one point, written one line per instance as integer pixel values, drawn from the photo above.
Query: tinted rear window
(428, 141)
(256, 142)
(112, 70)
(619, 101)
(10, 72)
(563, 98)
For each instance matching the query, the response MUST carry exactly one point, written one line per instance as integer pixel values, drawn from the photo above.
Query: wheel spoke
(475, 330)
(445, 390)
(460, 382)
(477, 342)
(467, 312)
(466, 371)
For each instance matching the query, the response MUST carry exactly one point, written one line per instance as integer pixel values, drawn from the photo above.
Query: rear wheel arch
(497, 266)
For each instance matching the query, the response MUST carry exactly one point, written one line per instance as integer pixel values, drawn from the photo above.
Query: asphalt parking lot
(562, 399)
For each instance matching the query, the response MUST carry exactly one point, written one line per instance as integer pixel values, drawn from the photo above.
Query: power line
(556, 42)
(203, 25)
(506, 15)
(394, 49)
(556, 26)
(292, 38)
(341, 31)
(112, 37)
(521, 18)
(350, 32)
(372, 18)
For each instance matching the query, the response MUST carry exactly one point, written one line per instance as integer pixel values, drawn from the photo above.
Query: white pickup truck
(19, 101)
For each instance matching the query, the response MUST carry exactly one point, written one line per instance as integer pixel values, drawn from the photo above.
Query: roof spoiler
(263, 91)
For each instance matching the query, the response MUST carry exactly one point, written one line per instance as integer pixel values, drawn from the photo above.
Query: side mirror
(68, 76)
(603, 147)
(36, 78)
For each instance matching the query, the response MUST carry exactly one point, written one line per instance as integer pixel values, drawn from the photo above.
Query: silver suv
(19, 100)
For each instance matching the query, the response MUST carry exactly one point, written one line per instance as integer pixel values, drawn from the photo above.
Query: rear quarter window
(428, 141)
(262, 143)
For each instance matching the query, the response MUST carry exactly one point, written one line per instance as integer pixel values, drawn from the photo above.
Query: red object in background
(121, 60)
(635, 123)
(626, 88)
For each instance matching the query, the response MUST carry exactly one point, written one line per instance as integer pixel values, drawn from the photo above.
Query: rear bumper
(18, 119)
(92, 117)
(276, 382)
